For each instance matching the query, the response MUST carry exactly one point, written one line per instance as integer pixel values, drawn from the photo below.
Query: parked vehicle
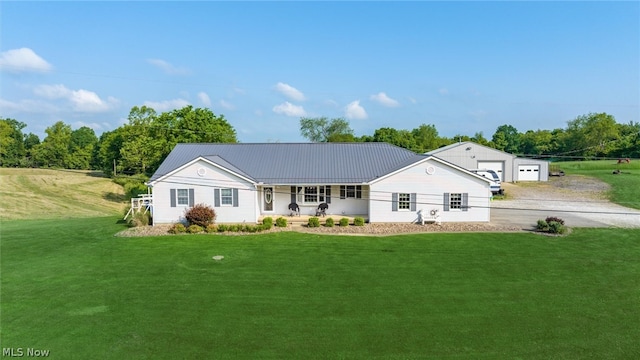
(496, 187)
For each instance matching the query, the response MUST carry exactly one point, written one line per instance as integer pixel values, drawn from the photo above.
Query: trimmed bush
(344, 222)
(234, 227)
(542, 225)
(556, 228)
(201, 215)
(329, 222)
(267, 223)
(223, 228)
(177, 229)
(358, 221)
(211, 228)
(281, 222)
(194, 229)
(554, 219)
(314, 222)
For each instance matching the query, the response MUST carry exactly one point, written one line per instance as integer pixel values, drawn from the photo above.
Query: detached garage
(510, 168)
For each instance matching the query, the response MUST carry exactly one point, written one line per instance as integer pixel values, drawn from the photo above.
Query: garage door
(497, 166)
(528, 172)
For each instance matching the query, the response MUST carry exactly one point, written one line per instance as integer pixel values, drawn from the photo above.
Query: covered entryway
(528, 172)
(497, 166)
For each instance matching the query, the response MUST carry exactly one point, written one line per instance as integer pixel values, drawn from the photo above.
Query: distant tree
(592, 134)
(507, 138)
(628, 145)
(426, 138)
(12, 149)
(401, 138)
(322, 129)
(53, 151)
(537, 142)
(81, 148)
(480, 139)
(30, 141)
(139, 147)
(107, 152)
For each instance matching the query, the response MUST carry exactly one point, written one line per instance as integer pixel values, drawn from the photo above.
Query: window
(182, 196)
(226, 197)
(455, 201)
(312, 194)
(350, 191)
(404, 201)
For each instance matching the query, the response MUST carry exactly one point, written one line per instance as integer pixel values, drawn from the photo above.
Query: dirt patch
(568, 187)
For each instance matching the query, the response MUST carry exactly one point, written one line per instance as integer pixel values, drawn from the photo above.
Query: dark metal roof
(296, 163)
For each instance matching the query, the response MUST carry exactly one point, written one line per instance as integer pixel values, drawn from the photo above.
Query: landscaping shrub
(314, 222)
(211, 228)
(194, 229)
(344, 222)
(556, 228)
(281, 222)
(139, 219)
(223, 228)
(201, 215)
(329, 222)
(234, 227)
(133, 189)
(542, 225)
(358, 221)
(267, 222)
(177, 229)
(554, 219)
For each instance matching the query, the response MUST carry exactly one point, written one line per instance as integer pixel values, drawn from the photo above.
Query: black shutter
(465, 202)
(394, 202)
(293, 194)
(446, 202)
(192, 197)
(235, 197)
(216, 197)
(327, 194)
(172, 193)
(413, 201)
(343, 192)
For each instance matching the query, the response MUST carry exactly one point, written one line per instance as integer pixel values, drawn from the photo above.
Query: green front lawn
(625, 187)
(70, 287)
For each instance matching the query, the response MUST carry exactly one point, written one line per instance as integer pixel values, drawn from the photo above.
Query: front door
(267, 197)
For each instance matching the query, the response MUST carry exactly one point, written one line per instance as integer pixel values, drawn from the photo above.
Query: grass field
(47, 193)
(625, 187)
(69, 286)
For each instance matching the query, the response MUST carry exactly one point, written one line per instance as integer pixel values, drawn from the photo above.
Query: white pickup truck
(496, 188)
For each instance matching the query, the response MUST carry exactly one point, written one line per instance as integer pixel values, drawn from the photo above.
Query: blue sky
(464, 67)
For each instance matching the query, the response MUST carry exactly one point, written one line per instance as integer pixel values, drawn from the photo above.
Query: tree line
(140, 145)
(592, 135)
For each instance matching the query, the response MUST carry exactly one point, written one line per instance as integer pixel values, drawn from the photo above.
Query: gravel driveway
(579, 200)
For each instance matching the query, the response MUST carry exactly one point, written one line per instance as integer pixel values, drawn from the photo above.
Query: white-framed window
(182, 197)
(311, 194)
(455, 201)
(351, 191)
(404, 201)
(226, 197)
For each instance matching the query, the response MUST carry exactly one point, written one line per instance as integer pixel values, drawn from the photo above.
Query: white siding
(212, 178)
(430, 190)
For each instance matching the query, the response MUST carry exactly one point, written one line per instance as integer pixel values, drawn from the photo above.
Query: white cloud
(332, 103)
(355, 111)
(168, 68)
(23, 60)
(385, 100)
(27, 106)
(287, 108)
(167, 105)
(82, 100)
(226, 105)
(289, 91)
(412, 100)
(443, 91)
(204, 99)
